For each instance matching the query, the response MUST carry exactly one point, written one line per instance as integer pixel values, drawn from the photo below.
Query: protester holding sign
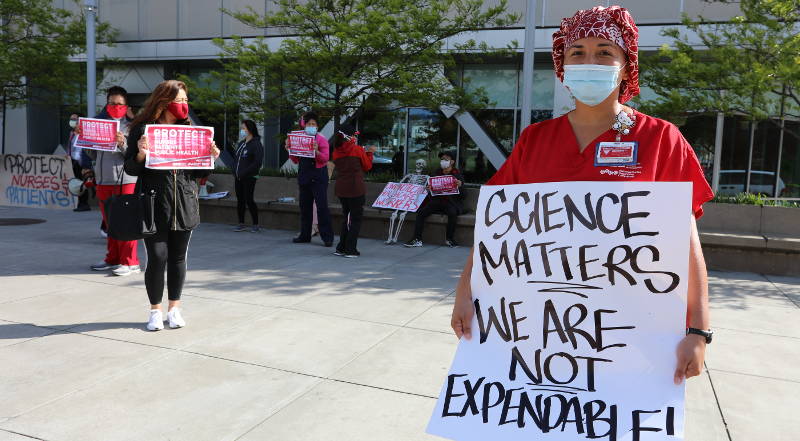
(351, 162)
(248, 157)
(111, 179)
(448, 203)
(595, 53)
(177, 210)
(312, 178)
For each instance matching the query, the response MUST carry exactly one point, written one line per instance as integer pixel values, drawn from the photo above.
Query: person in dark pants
(75, 155)
(312, 178)
(248, 157)
(450, 205)
(176, 207)
(351, 162)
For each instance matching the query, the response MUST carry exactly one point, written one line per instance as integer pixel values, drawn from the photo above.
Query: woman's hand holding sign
(120, 139)
(463, 309)
(214, 149)
(144, 146)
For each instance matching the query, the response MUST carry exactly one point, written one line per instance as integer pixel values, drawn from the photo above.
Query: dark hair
(339, 140)
(308, 116)
(157, 102)
(251, 127)
(117, 90)
(452, 155)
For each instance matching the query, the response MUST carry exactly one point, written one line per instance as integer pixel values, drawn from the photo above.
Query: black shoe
(413, 243)
(82, 208)
(451, 243)
(329, 244)
(352, 255)
(300, 240)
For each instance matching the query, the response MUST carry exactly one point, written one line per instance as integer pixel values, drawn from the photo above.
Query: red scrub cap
(614, 24)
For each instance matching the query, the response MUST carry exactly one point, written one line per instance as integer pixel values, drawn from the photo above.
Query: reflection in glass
(387, 131)
(429, 133)
(472, 162)
(498, 82)
(699, 131)
(499, 125)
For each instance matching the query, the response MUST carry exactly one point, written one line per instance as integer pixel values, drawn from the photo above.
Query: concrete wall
(140, 20)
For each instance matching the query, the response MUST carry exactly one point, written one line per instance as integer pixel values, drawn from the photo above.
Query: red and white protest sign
(404, 197)
(179, 147)
(301, 144)
(97, 134)
(443, 185)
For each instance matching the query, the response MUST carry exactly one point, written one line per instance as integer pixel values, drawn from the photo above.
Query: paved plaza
(287, 342)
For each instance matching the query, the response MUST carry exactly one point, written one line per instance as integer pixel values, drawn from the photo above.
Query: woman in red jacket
(351, 161)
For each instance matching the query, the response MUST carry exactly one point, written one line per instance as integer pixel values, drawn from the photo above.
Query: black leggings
(348, 238)
(245, 195)
(166, 251)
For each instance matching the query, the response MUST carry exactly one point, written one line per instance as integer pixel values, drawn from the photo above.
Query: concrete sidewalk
(287, 342)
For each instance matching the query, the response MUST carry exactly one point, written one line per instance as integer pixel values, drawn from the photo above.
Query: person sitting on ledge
(451, 205)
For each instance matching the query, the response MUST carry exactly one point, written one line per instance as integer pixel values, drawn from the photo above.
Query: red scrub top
(548, 152)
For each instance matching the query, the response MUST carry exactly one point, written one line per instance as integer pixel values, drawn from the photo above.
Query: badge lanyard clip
(623, 124)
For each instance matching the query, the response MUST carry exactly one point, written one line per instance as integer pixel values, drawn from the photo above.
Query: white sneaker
(126, 270)
(175, 318)
(156, 322)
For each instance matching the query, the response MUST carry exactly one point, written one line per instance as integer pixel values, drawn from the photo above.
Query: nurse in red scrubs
(595, 53)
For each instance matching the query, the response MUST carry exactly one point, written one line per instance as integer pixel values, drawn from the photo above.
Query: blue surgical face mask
(242, 133)
(591, 84)
(311, 131)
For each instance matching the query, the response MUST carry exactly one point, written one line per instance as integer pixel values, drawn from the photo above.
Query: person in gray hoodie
(111, 179)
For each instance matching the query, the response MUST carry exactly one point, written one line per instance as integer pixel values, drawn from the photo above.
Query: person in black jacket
(177, 210)
(450, 205)
(248, 157)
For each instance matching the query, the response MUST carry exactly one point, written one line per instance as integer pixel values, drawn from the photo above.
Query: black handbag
(131, 216)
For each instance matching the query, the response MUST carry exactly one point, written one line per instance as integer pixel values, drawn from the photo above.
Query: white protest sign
(401, 196)
(580, 295)
(39, 181)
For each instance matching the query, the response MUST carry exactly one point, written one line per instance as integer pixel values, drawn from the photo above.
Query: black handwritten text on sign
(580, 300)
(38, 181)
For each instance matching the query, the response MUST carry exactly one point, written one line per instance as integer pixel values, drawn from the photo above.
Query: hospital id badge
(616, 153)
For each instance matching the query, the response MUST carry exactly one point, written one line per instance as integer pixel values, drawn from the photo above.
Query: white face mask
(73, 123)
(445, 163)
(591, 84)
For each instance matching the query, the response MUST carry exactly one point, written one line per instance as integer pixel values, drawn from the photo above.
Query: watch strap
(707, 334)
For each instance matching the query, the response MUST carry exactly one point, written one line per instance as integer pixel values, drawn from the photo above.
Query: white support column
(91, 68)
(717, 151)
(527, 64)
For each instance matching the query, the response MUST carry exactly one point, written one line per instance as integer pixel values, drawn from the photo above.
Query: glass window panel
(386, 130)
(499, 125)
(429, 133)
(472, 162)
(498, 82)
(789, 184)
(700, 132)
(735, 146)
(543, 88)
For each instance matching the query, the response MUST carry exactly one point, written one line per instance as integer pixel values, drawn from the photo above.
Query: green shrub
(753, 199)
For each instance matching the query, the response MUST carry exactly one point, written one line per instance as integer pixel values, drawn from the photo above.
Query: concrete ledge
(732, 240)
(375, 224)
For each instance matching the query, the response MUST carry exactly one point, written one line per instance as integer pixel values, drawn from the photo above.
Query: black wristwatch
(707, 334)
